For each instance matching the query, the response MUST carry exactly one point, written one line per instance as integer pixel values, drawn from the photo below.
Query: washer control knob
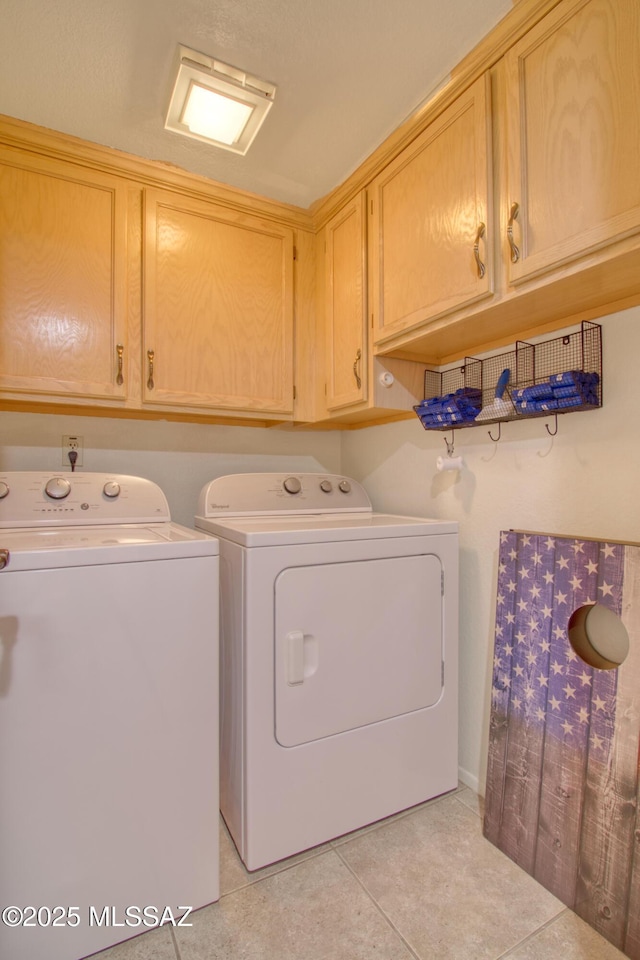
(111, 489)
(4, 489)
(345, 486)
(326, 486)
(292, 485)
(57, 488)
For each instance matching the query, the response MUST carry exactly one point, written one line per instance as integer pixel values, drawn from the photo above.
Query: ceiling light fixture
(216, 103)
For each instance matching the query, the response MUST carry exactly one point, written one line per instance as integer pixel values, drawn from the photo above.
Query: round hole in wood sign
(598, 636)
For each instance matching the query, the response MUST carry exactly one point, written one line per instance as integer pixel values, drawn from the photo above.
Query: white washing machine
(339, 670)
(108, 720)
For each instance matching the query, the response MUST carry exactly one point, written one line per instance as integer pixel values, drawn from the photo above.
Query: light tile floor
(423, 885)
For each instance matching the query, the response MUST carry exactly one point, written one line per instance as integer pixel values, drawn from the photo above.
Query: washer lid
(276, 530)
(74, 546)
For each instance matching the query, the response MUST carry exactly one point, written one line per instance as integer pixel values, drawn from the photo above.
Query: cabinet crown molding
(20, 135)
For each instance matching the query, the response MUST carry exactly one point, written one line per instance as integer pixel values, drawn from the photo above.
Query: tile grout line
(468, 807)
(534, 933)
(400, 815)
(335, 843)
(377, 905)
(274, 873)
(175, 944)
(334, 847)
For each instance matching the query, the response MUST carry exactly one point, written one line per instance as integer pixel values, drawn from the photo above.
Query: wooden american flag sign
(563, 767)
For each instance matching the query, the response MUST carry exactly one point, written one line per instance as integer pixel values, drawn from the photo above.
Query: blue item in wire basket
(459, 407)
(571, 378)
(574, 401)
(576, 383)
(540, 391)
(572, 388)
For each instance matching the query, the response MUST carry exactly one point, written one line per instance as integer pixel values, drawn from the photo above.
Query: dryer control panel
(258, 494)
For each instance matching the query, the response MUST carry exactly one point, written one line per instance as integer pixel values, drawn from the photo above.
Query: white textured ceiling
(348, 72)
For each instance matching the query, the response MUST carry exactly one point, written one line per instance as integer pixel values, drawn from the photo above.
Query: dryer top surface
(266, 531)
(270, 509)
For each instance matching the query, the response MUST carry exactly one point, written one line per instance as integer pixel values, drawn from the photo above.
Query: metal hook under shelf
(450, 444)
(495, 439)
(552, 433)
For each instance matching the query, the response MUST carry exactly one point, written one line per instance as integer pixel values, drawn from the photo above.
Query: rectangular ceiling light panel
(216, 103)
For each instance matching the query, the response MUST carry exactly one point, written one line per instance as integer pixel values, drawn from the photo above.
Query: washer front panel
(105, 668)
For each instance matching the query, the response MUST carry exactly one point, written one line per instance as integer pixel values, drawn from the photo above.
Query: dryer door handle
(295, 657)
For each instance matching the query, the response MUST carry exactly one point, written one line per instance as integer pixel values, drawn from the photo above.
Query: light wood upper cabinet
(357, 388)
(62, 279)
(430, 227)
(129, 286)
(345, 307)
(573, 133)
(218, 307)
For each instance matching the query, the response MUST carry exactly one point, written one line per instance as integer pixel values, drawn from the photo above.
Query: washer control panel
(256, 494)
(31, 499)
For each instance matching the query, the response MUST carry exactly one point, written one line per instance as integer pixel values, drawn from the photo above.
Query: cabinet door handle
(150, 357)
(513, 215)
(120, 353)
(355, 369)
(476, 250)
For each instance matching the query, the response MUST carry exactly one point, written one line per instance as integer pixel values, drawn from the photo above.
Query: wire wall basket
(561, 375)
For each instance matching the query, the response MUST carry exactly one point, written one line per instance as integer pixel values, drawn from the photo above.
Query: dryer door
(355, 643)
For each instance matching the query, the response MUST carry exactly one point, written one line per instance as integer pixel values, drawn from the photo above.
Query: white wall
(585, 481)
(180, 457)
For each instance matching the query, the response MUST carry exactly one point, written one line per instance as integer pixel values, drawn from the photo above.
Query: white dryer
(108, 722)
(339, 671)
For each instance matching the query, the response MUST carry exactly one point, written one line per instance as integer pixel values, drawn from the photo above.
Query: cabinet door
(345, 305)
(62, 279)
(430, 232)
(218, 307)
(573, 126)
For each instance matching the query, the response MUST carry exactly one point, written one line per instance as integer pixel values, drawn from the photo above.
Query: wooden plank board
(564, 753)
(562, 783)
(609, 815)
(630, 683)
(528, 698)
(499, 721)
(632, 934)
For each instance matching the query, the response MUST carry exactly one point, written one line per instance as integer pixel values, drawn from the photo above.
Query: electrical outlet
(74, 444)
